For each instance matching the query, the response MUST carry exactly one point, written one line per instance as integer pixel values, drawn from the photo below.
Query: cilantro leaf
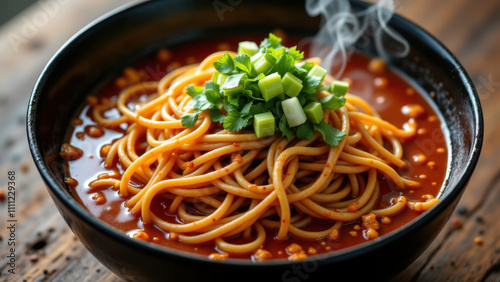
(276, 53)
(212, 92)
(284, 64)
(235, 122)
(310, 84)
(229, 107)
(246, 109)
(272, 41)
(257, 109)
(305, 131)
(305, 65)
(212, 96)
(285, 129)
(233, 99)
(279, 108)
(333, 102)
(296, 54)
(193, 90)
(299, 72)
(331, 135)
(243, 63)
(188, 120)
(210, 85)
(232, 81)
(216, 115)
(201, 103)
(225, 64)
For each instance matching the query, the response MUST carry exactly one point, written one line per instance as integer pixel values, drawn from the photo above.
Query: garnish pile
(270, 88)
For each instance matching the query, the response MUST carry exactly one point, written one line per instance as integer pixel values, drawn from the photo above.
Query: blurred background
(32, 31)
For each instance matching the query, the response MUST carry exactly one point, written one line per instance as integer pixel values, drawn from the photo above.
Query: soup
(244, 187)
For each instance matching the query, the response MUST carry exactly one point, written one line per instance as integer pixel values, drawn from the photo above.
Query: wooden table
(46, 249)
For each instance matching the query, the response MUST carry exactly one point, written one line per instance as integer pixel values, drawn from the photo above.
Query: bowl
(127, 34)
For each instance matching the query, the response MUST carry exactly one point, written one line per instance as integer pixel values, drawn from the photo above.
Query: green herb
(337, 99)
(249, 90)
(331, 135)
(314, 112)
(291, 85)
(305, 131)
(188, 120)
(293, 111)
(248, 47)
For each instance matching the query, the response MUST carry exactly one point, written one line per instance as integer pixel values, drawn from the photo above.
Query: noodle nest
(222, 185)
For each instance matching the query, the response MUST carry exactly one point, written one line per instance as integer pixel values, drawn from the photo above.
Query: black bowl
(118, 39)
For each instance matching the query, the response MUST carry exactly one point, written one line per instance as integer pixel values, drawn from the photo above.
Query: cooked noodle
(222, 184)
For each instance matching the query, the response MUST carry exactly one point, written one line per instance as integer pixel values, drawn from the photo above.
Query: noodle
(223, 185)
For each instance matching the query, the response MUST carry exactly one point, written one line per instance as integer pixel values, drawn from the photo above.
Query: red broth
(426, 154)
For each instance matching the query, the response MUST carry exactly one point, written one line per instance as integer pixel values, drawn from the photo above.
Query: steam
(342, 28)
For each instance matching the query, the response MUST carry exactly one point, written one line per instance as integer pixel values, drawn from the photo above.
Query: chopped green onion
(232, 84)
(263, 124)
(230, 91)
(256, 57)
(248, 47)
(300, 64)
(219, 78)
(291, 85)
(293, 112)
(333, 102)
(270, 86)
(318, 72)
(338, 87)
(314, 112)
(264, 64)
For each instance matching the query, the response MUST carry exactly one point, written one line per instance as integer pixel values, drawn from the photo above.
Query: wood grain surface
(46, 249)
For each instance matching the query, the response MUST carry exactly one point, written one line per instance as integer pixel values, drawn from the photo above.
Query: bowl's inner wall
(106, 49)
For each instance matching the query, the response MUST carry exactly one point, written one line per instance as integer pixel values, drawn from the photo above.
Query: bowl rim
(454, 190)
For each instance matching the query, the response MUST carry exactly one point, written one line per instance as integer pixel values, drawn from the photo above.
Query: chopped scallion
(314, 112)
(338, 87)
(248, 47)
(293, 112)
(219, 78)
(256, 57)
(270, 86)
(291, 85)
(318, 72)
(263, 124)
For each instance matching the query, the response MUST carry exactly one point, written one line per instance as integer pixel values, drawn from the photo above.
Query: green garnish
(264, 124)
(270, 86)
(318, 72)
(314, 112)
(338, 87)
(249, 90)
(265, 63)
(219, 78)
(337, 99)
(293, 112)
(291, 85)
(248, 47)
